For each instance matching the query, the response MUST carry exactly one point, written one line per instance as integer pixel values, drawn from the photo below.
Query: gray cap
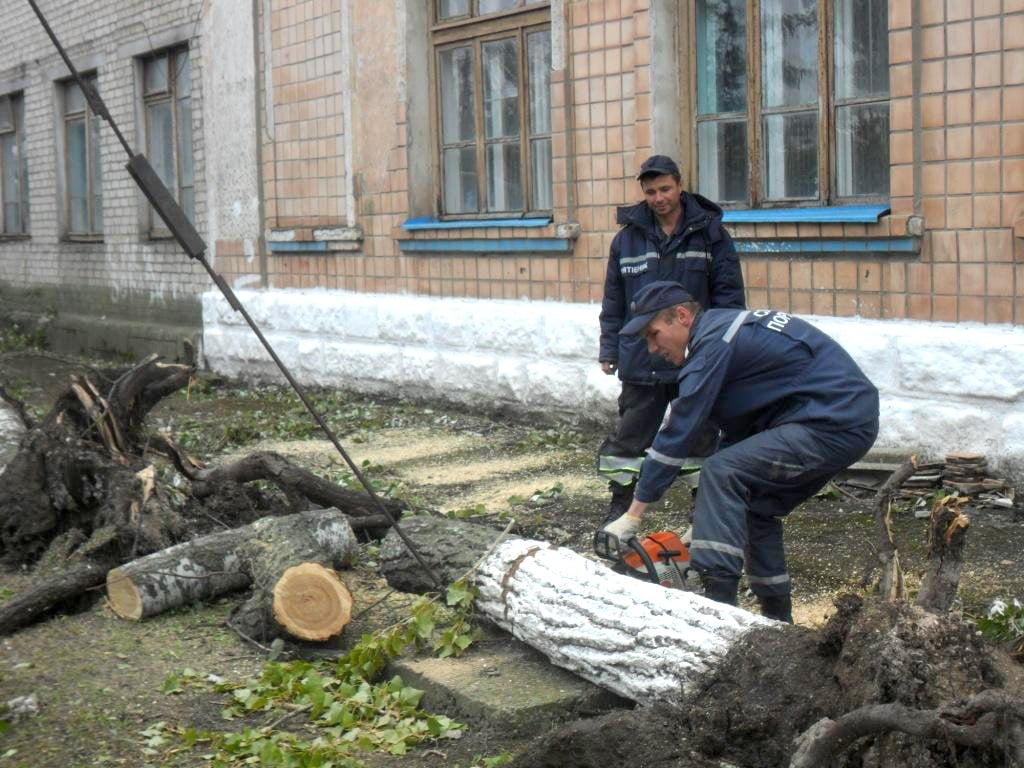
(650, 300)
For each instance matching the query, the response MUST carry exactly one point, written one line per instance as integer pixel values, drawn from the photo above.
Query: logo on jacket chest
(636, 265)
(777, 322)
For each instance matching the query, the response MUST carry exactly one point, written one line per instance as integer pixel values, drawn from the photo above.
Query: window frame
(827, 106)
(152, 223)
(93, 176)
(16, 99)
(516, 23)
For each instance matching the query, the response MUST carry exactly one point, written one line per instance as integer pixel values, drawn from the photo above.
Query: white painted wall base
(944, 387)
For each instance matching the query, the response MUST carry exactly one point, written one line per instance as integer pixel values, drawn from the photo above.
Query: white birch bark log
(640, 640)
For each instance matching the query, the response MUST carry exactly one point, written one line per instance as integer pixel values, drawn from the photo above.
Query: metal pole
(192, 243)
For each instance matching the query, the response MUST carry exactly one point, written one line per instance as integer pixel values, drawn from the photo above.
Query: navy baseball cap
(650, 300)
(658, 165)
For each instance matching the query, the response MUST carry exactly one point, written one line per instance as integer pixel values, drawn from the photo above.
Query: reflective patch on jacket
(703, 256)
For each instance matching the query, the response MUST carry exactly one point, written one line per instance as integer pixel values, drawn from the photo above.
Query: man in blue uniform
(672, 235)
(794, 409)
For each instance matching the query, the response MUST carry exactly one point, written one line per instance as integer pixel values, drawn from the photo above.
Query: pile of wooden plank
(961, 472)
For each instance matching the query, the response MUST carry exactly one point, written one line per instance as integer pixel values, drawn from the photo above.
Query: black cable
(190, 240)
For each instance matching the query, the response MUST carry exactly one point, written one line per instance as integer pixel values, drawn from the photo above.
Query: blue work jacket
(749, 371)
(699, 254)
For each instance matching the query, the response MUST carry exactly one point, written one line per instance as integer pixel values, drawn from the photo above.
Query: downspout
(263, 116)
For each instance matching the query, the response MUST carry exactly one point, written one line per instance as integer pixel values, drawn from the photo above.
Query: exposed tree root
(983, 722)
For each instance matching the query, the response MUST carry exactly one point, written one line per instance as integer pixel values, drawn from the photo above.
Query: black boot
(778, 607)
(622, 497)
(721, 589)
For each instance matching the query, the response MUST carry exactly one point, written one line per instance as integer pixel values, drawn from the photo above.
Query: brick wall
(970, 142)
(956, 153)
(128, 293)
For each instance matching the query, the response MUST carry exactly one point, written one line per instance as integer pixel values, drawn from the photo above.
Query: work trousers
(747, 488)
(641, 411)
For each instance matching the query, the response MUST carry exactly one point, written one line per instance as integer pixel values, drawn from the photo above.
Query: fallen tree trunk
(289, 560)
(635, 638)
(743, 687)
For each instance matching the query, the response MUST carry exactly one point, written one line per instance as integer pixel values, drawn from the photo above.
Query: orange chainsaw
(662, 558)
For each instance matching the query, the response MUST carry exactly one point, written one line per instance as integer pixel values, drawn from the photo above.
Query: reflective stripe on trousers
(623, 470)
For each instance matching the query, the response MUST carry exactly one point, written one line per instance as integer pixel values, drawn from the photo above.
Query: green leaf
(172, 684)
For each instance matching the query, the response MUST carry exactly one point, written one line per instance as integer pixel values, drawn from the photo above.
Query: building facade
(78, 244)
(869, 155)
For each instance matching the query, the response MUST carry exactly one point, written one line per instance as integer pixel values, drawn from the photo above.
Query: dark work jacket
(699, 254)
(751, 371)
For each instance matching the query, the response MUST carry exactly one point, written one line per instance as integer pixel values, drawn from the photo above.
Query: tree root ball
(772, 686)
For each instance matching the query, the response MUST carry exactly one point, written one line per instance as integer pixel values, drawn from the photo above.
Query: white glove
(608, 540)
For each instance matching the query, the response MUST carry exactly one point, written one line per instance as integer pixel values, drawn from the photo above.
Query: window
(806, 125)
(13, 166)
(167, 104)
(84, 194)
(493, 73)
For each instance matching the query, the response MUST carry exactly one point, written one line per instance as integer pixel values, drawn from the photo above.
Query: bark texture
(635, 638)
(259, 555)
(24, 608)
(288, 476)
(946, 536)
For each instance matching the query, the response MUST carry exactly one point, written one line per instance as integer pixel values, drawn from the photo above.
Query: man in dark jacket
(794, 410)
(672, 235)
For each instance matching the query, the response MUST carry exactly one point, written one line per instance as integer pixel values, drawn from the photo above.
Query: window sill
(883, 246)
(832, 214)
(486, 245)
(82, 239)
(430, 223)
(14, 238)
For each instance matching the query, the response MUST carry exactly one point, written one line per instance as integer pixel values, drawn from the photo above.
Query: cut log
(309, 602)
(295, 589)
(259, 554)
(638, 639)
(200, 569)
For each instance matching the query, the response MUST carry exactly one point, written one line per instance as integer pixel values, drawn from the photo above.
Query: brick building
(870, 155)
(77, 242)
(876, 163)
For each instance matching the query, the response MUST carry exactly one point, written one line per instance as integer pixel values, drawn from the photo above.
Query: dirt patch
(99, 679)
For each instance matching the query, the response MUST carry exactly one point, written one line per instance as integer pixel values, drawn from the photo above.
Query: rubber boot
(721, 589)
(778, 607)
(622, 497)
